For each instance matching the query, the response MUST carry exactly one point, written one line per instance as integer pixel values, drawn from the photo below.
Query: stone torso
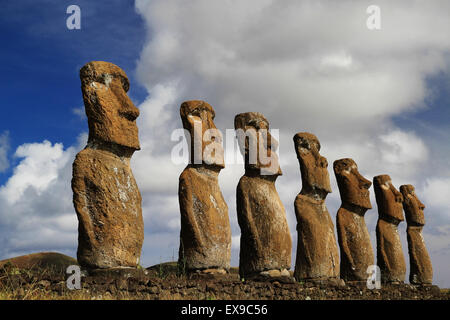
(421, 270)
(317, 253)
(205, 239)
(108, 205)
(390, 257)
(265, 238)
(355, 246)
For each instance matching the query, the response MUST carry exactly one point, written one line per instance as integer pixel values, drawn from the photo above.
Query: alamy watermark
(374, 279)
(373, 22)
(73, 22)
(74, 280)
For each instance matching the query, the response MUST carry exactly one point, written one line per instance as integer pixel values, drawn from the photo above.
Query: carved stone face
(353, 187)
(389, 200)
(312, 165)
(198, 118)
(412, 205)
(257, 144)
(110, 112)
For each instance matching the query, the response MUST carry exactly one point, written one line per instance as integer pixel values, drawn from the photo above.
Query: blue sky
(379, 97)
(41, 60)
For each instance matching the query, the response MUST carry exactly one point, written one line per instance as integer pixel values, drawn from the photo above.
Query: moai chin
(265, 248)
(421, 270)
(205, 237)
(390, 257)
(105, 195)
(317, 252)
(353, 237)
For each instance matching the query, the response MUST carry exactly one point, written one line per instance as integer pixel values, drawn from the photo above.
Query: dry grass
(26, 284)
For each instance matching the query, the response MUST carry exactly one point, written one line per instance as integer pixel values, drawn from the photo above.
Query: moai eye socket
(197, 112)
(305, 144)
(254, 123)
(258, 124)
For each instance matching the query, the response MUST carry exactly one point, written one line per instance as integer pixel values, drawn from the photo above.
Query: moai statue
(353, 237)
(105, 195)
(421, 270)
(317, 252)
(205, 237)
(390, 257)
(265, 237)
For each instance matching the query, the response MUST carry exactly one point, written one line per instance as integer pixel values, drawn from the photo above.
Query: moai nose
(323, 162)
(132, 112)
(363, 182)
(127, 108)
(398, 197)
(421, 206)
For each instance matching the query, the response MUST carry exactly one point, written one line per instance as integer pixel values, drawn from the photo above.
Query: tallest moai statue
(105, 195)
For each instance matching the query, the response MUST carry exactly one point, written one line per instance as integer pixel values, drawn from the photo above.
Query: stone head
(412, 206)
(206, 141)
(313, 166)
(389, 200)
(257, 144)
(110, 112)
(353, 187)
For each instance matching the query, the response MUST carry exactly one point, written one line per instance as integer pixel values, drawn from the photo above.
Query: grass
(25, 283)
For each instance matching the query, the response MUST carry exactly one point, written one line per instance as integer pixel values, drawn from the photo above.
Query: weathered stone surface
(205, 237)
(105, 195)
(353, 237)
(390, 257)
(317, 252)
(256, 144)
(421, 270)
(110, 112)
(265, 238)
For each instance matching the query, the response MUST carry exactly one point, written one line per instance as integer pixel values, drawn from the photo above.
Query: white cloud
(338, 60)
(36, 211)
(399, 146)
(39, 167)
(436, 193)
(308, 66)
(295, 54)
(80, 113)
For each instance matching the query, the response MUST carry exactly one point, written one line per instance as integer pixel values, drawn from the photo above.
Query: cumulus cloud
(39, 167)
(308, 66)
(36, 211)
(436, 192)
(304, 57)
